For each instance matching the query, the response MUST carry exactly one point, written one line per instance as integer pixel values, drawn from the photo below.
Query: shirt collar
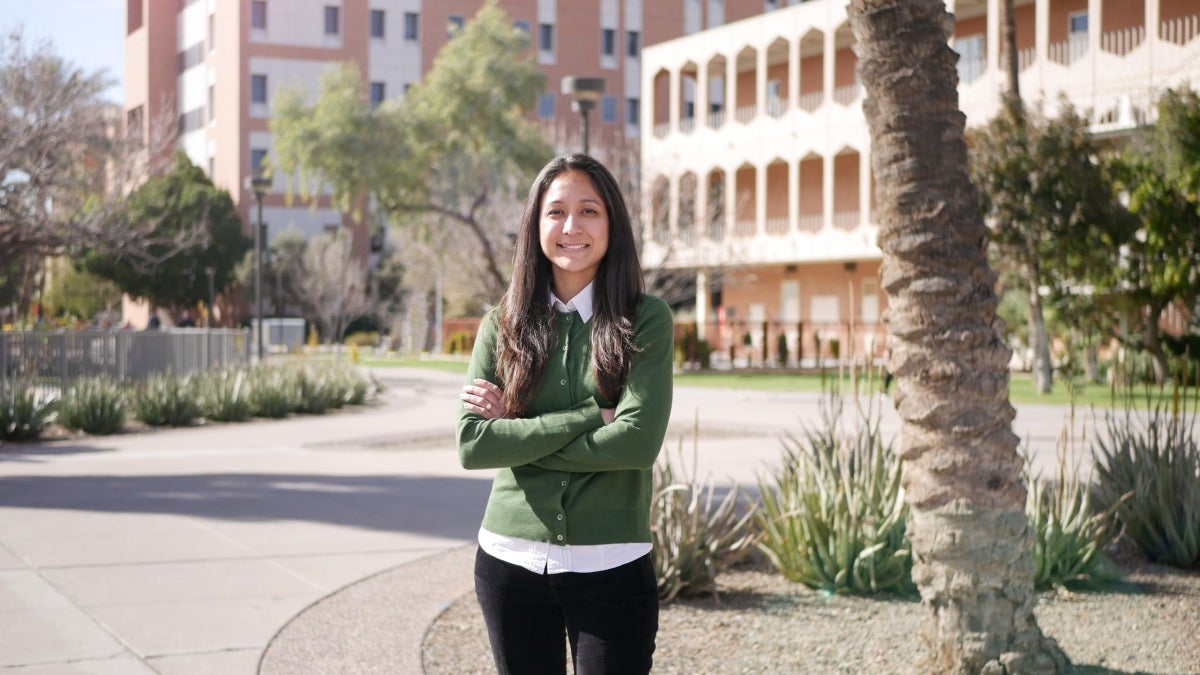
(581, 303)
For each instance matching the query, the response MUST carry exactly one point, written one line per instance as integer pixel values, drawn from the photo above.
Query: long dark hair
(528, 332)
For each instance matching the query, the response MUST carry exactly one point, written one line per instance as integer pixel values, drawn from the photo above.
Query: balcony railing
(661, 129)
(846, 220)
(846, 94)
(716, 118)
(811, 101)
(778, 226)
(1180, 31)
(746, 113)
(687, 124)
(776, 107)
(744, 228)
(1070, 50)
(1121, 42)
(810, 223)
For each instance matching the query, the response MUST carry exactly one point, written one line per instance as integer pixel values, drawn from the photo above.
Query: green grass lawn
(1021, 386)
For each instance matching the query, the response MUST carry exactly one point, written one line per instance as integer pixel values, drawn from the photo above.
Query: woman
(568, 395)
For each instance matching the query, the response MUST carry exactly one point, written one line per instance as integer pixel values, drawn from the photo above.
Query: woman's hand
(609, 414)
(484, 399)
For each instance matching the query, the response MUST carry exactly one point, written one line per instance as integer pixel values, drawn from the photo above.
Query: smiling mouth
(573, 247)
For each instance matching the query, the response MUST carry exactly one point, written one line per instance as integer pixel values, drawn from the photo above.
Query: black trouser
(609, 617)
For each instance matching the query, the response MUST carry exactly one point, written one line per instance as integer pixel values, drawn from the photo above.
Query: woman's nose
(569, 225)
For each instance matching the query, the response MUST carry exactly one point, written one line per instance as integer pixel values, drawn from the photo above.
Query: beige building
(757, 155)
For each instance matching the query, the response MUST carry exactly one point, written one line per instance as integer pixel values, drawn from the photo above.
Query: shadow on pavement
(437, 505)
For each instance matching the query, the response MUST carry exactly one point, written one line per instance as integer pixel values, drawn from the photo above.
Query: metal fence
(53, 358)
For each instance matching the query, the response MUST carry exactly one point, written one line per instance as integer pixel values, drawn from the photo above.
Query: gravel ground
(766, 624)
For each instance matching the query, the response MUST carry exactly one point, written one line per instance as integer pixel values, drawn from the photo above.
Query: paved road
(313, 544)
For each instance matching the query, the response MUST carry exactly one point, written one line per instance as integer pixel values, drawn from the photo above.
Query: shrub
(781, 349)
(93, 405)
(833, 517)
(362, 339)
(1148, 472)
(274, 391)
(318, 391)
(695, 534)
(460, 342)
(165, 400)
(1069, 535)
(24, 414)
(224, 395)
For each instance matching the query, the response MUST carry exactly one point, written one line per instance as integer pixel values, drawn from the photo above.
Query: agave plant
(1069, 534)
(166, 400)
(224, 395)
(24, 413)
(1148, 472)
(95, 405)
(696, 535)
(833, 517)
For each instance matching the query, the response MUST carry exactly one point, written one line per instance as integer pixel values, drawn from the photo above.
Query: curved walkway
(311, 545)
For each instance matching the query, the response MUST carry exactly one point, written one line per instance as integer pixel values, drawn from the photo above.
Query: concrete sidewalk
(310, 545)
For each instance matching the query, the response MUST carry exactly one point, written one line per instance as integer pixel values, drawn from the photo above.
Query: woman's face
(574, 232)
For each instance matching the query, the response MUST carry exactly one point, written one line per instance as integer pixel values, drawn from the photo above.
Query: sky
(88, 33)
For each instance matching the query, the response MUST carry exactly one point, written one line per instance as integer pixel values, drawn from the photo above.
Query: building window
(972, 57)
(633, 111)
(258, 14)
(546, 106)
(333, 20)
(407, 86)
(1078, 22)
(633, 43)
(523, 26)
(608, 109)
(377, 93)
(212, 104)
(258, 88)
(212, 32)
(377, 17)
(411, 26)
(608, 42)
(546, 37)
(258, 157)
(454, 23)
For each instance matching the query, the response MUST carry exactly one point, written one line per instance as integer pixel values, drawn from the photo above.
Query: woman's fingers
(483, 398)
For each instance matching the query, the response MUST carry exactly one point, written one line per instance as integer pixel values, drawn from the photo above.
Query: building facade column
(1041, 32)
(702, 303)
(674, 99)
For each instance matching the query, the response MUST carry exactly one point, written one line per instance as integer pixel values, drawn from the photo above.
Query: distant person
(568, 395)
(154, 323)
(186, 320)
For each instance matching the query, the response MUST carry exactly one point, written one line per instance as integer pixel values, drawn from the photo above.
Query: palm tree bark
(962, 474)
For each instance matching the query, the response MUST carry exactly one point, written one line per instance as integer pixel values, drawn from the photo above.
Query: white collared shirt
(542, 556)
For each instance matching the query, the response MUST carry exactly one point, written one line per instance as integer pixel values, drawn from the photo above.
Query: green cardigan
(566, 477)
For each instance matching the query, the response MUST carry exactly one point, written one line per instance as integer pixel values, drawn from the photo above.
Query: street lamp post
(584, 92)
(260, 185)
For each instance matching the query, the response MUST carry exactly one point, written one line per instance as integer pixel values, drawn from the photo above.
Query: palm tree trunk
(962, 475)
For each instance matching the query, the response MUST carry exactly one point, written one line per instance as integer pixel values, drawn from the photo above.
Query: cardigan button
(564, 483)
(559, 537)
(560, 516)
(563, 382)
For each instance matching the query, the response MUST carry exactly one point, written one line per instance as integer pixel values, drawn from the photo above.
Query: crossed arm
(584, 437)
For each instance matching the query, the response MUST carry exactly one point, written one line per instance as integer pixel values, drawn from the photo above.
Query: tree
(75, 293)
(1054, 213)
(65, 163)
(194, 226)
(1158, 266)
(972, 557)
(456, 141)
(333, 285)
